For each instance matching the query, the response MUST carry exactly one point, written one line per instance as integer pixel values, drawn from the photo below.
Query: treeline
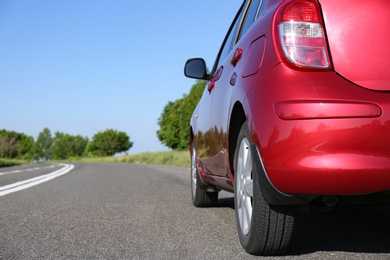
(175, 118)
(60, 146)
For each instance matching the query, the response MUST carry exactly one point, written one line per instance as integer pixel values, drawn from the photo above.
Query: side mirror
(196, 69)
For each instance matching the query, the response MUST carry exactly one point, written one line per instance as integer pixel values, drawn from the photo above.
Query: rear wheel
(263, 229)
(200, 198)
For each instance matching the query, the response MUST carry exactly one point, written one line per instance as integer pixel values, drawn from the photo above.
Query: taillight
(301, 34)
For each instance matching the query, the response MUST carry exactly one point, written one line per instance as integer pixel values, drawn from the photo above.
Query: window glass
(229, 42)
(251, 16)
(230, 38)
(261, 10)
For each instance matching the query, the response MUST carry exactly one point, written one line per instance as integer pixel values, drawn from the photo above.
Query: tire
(200, 197)
(263, 229)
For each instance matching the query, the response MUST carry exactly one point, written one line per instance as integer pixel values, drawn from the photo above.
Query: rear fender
(272, 195)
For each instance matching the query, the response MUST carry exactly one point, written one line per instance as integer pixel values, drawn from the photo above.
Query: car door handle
(215, 77)
(236, 57)
(211, 85)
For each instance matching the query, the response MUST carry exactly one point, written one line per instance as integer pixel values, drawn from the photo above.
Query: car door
(215, 137)
(203, 122)
(226, 75)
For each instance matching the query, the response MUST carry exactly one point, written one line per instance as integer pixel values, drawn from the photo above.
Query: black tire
(263, 229)
(200, 197)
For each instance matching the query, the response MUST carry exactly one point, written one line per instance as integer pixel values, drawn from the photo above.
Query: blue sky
(84, 66)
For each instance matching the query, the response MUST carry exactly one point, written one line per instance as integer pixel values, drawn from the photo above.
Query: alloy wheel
(244, 186)
(194, 171)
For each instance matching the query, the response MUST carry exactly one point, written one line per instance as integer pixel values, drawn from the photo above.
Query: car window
(261, 9)
(250, 16)
(230, 38)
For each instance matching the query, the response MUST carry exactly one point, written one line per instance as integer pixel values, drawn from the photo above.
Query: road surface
(132, 211)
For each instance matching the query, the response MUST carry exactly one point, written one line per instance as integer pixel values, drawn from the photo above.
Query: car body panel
(358, 40)
(317, 132)
(322, 155)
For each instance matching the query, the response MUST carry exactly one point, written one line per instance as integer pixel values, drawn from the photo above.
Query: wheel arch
(272, 195)
(237, 119)
(191, 136)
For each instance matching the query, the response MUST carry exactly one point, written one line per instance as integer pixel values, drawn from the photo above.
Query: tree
(26, 146)
(8, 144)
(15, 145)
(108, 143)
(79, 144)
(168, 133)
(42, 147)
(66, 146)
(175, 118)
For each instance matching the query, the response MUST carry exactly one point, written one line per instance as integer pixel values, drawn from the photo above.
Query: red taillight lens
(301, 11)
(302, 36)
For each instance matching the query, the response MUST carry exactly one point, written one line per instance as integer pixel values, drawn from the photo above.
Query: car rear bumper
(319, 134)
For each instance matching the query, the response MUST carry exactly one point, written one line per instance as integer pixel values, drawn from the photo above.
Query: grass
(173, 158)
(11, 162)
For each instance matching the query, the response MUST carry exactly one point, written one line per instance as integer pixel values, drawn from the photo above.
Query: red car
(296, 111)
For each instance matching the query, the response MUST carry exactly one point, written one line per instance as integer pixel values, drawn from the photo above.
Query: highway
(137, 211)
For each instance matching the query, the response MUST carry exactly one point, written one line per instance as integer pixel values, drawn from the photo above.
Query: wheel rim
(244, 187)
(193, 172)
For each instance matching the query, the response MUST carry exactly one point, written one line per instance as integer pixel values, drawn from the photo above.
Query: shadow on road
(351, 228)
(226, 203)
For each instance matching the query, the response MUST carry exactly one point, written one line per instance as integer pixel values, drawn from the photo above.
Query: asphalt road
(127, 211)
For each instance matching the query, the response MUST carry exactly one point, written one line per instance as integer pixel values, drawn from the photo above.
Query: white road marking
(27, 170)
(21, 185)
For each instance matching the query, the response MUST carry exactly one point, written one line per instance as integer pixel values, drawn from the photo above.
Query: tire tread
(271, 226)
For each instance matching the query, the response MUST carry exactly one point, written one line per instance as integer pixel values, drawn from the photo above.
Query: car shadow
(350, 228)
(226, 203)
